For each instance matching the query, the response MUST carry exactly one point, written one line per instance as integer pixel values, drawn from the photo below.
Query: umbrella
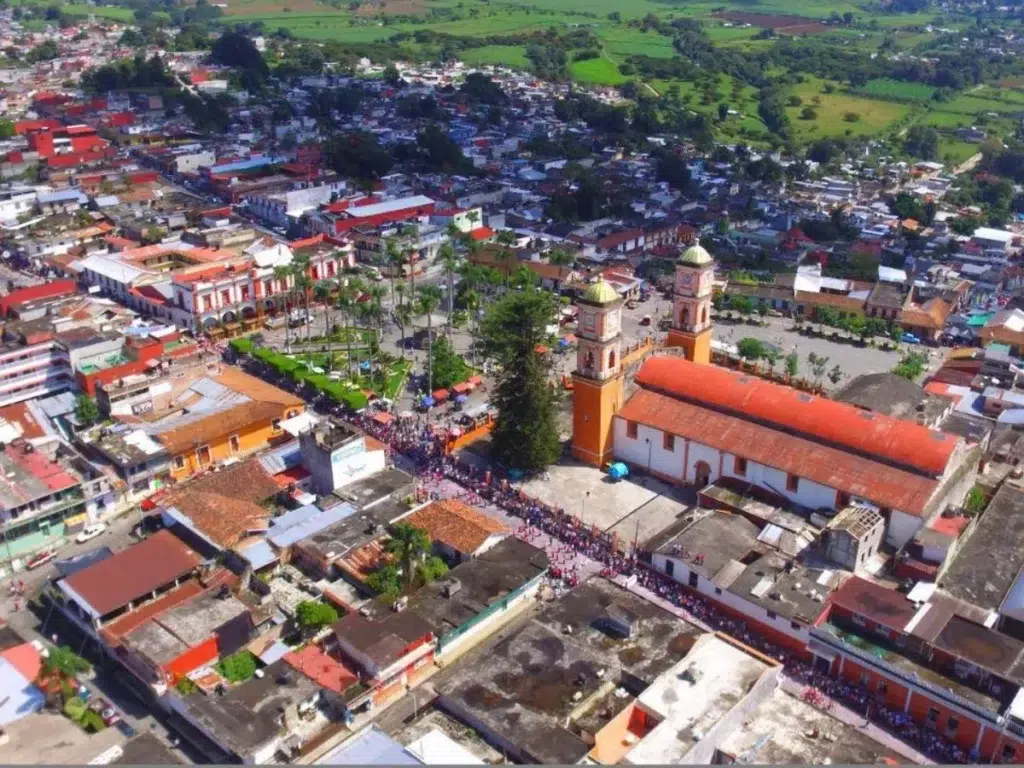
(461, 398)
(618, 470)
(365, 365)
(563, 342)
(427, 401)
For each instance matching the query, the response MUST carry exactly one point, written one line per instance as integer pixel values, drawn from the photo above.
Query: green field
(500, 55)
(596, 72)
(874, 115)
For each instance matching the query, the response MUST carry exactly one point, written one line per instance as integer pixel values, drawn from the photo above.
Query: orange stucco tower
(597, 380)
(691, 304)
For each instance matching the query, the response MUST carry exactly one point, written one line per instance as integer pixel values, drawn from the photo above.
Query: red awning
(383, 417)
(439, 395)
(476, 381)
(462, 388)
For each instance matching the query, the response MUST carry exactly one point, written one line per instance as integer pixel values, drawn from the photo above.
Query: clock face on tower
(685, 281)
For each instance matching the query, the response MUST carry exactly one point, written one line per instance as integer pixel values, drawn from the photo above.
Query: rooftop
(482, 581)
(27, 473)
(524, 685)
(785, 730)
(881, 438)
(132, 574)
(224, 506)
(894, 396)
(456, 525)
(246, 717)
(987, 565)
(693, 697)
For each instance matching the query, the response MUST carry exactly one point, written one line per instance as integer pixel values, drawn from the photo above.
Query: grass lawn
(500, 55)
(598, 71)
(875, 115)
(622, 42)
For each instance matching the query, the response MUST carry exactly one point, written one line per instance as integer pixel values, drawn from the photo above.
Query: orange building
(249, 421)
(597, 381)
(691, 305)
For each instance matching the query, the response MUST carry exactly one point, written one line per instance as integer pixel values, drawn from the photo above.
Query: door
(702, 474)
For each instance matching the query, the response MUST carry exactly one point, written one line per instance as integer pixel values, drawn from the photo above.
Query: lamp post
(650, 447)
(583, 506)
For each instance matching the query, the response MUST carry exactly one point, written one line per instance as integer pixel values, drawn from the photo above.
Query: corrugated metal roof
(286, 536)
(259, 554)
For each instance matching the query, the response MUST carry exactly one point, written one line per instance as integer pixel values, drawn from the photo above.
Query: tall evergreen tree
(525, 435)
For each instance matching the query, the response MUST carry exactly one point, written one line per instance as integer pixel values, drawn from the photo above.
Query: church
(693, 423)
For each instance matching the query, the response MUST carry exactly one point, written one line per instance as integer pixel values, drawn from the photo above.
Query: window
(859, 620)
(739, 466)
(772, 615)
(718, 590)
(883, 688)
(794, 626)
(179, 462)
(951, 725)
(233, 442)
(207, 303)
(670, 567)
(203, 454)
(1009, 754)
(631, 430)
(225, 297)
(275, 425)
(933, 716)
(694, 579)
(842, 500)
(669, 442)
(792, 483)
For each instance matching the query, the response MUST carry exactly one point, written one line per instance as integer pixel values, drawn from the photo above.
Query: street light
(583, 506)
(650, 447)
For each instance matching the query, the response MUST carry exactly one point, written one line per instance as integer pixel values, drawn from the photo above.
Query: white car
(90, 532)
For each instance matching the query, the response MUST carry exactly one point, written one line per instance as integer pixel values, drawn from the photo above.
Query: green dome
(695, 256)
(601, 292)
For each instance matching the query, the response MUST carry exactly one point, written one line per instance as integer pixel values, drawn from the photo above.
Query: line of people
(425, 448)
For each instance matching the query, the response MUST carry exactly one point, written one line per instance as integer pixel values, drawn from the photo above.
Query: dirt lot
(785, 25)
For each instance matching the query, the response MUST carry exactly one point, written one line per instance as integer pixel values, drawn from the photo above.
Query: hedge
(300, 373)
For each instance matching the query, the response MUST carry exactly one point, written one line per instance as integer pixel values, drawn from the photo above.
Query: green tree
(409, 544)
(447, 367)
(911, 366)
(818, 364)
(448, 259)
(86, 410)
(386, 582)
(836, 375)
(64, 660)
(750, 349)
(312, 615)
(525, 435)
(431, 569)
(6, 129)
(238, 667)
(792, 363)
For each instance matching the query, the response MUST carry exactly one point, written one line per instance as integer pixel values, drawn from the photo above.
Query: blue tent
(365, 365)
(618, 470)
(428, 401)
(461, 398)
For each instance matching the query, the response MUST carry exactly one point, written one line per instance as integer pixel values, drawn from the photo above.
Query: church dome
(695, 256)
(601, 292)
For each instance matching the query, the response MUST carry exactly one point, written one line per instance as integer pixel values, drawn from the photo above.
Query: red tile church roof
(872, 435)
(881, 484)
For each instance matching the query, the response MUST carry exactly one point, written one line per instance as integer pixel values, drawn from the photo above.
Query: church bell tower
(691, 305)
(597, 381)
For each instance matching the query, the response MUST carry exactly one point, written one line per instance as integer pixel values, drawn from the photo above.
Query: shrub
(238, 667)
(851, 117)
(311, 615)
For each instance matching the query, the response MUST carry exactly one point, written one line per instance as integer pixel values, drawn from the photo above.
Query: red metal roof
(881, 437)
(874, 602)
(134, 573)
(882, 484)
(48, 290)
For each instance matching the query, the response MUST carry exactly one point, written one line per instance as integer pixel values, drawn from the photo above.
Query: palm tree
(472, 299)
(403, 316)
(450, 261)
(411, 232)
(346, 306)
(322, 291)
(409, 544)
(303, 283)
(394, 260)
(284, 275)
(428, 300)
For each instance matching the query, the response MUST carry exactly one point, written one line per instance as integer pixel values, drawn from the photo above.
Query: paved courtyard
(635, 508)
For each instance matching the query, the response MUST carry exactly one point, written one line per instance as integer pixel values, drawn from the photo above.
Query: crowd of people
(424, 446)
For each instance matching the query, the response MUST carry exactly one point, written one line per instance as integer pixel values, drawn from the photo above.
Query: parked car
(90, 532)
(106, 710)
(41, 558)
(909, 338)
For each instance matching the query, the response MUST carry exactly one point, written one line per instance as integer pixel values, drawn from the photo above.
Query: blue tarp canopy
(428, 402)
(618, 470)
